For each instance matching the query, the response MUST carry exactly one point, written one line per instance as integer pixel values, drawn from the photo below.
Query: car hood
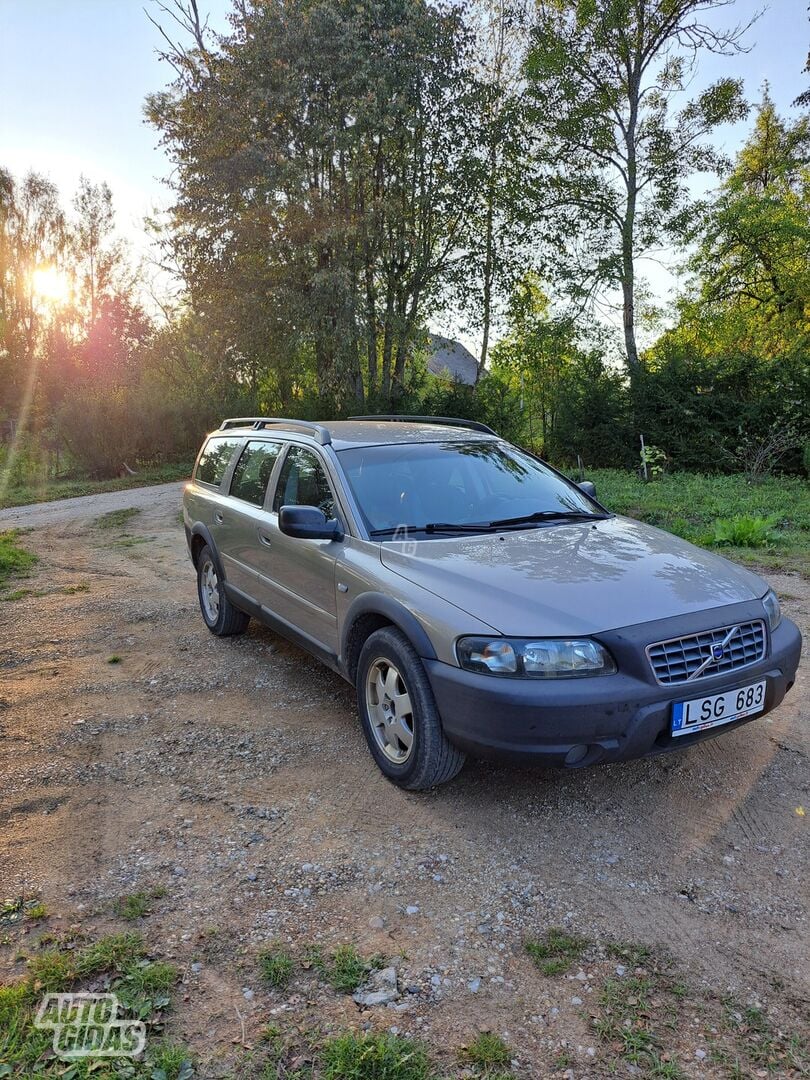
(577, 578)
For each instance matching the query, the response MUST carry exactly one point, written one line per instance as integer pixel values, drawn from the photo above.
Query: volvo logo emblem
(718, 652)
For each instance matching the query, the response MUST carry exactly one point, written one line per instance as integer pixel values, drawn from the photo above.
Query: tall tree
(502, 161)
(32, 238)
(320, 185)
(602, 74)
(752, 262)
(95, 257)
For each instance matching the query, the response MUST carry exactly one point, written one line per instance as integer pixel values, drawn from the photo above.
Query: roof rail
(239, 421)
(317, 431)
(449, 421)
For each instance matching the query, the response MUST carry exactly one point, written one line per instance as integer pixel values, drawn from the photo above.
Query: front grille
(685, 659)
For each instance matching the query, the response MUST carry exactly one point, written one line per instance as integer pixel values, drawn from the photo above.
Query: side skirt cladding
(281, 626)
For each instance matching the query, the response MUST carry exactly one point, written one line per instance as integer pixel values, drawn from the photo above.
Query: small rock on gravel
(379, 990)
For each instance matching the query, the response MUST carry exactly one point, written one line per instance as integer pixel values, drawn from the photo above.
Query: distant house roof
(451, 358)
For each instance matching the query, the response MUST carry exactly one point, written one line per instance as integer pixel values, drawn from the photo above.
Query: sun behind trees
(346, 175)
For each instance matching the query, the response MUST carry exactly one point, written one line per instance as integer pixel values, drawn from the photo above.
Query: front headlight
(772, 609)
(541, 658)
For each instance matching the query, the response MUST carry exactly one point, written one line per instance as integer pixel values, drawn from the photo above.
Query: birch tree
(608, 79)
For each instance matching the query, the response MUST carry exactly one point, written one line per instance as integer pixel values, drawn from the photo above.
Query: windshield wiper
(550, 515)
(432, 527)
(488, 526)
(396, 529)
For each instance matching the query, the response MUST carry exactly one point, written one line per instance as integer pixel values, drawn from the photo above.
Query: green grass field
(67, 489)
(765, 523)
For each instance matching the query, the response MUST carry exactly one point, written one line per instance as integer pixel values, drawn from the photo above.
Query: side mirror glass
(308, 523)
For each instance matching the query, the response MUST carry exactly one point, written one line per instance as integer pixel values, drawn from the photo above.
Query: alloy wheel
(209, 591)
(389, 710)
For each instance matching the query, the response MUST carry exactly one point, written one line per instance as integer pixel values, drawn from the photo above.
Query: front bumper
(604, 718)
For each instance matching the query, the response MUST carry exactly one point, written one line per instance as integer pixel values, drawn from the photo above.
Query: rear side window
(214, 460)
(252, 473)
(303, 482)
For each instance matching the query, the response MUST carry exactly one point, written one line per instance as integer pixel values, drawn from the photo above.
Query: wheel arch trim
(201, 530)
(375, 603)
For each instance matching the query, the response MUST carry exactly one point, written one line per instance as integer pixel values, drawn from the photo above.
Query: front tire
(399, 715)
(219, 614)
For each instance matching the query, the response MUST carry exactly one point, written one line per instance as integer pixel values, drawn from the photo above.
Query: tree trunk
(388, 340)
(489, 264)
(628, 229)
(371, 329)
(628, 303)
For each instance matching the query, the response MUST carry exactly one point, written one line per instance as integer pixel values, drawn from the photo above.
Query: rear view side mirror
(588, 487)
(308, 523)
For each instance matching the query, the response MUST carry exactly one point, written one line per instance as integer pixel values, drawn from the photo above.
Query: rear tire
(219, 614)
(399, 715)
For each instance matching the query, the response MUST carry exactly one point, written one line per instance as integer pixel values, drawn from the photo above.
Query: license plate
(712, 711)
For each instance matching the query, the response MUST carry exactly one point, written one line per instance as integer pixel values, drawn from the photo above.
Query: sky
(74, 75)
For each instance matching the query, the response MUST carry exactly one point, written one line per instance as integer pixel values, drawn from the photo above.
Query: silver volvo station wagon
(478, 600)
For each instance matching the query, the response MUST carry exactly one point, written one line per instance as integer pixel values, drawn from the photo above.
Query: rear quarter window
(214, 460)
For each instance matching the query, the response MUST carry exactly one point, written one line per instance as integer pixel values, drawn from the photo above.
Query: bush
(744, 530)
(99, 429)
(108, 428)
(722, 413)
(593, 416)
(30, 463)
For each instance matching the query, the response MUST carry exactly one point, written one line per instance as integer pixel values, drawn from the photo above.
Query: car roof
(345, 434)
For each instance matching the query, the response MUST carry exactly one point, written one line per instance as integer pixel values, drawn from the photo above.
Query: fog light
(576, 754)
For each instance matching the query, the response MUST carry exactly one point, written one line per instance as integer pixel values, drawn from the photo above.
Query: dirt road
(233, 774)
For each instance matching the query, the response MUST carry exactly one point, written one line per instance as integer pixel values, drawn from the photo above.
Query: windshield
(415, 485)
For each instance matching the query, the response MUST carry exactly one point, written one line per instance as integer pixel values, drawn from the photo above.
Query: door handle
(264, 539)
(220, 518)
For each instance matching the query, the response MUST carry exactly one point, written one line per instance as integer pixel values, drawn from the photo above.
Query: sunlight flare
(50, 285)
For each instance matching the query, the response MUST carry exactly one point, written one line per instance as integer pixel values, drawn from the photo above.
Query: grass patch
(172, 1062)
(117, 519)
(142, 987)
(695, 506)
(20, 594)
(23, 495)
(556, 951)
(345, 969)
(276, 966)
(14, 911)
(625, 1021)
(137, 905)
(15, 561)
(109, 954)
(374, 1057)
(488, 1054)
(636, 1017)
(130, 541)
(762, 1046)
(630, 953)
(114, 659)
